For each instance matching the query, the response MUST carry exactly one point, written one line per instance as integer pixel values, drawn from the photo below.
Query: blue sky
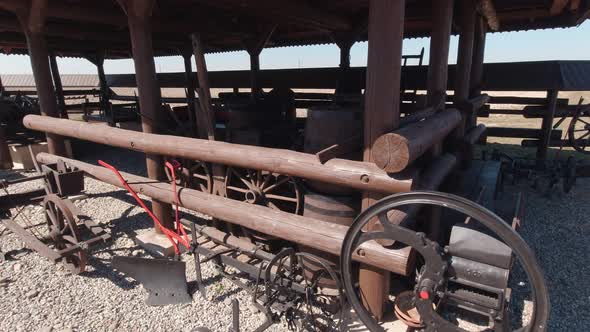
(557, 44)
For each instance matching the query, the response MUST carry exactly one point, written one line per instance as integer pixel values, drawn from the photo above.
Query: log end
(391, 153)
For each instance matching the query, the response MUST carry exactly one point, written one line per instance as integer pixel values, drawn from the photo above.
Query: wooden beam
(439, 51)
(59, 90)
(558, 6)
(139, 15)
(205, 119)
(286, 12)
(546, 126)
(487, 9)
(382, 115)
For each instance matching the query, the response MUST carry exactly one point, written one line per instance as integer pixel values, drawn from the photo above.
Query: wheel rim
(519, 248)
(579, 131)
(63, 232)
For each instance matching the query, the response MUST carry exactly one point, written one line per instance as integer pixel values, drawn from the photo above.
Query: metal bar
(31, 241)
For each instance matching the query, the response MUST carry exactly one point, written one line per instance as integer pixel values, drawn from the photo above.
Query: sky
(556, 44)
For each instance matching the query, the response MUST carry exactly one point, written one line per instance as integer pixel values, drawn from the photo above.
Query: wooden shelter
(433, 136)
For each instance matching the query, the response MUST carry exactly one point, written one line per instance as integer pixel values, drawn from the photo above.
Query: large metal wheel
(316, 309)
(63, 232)
(432, 278)
(579, 130)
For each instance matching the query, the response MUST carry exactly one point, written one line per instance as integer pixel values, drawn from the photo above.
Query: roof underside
(80, 28)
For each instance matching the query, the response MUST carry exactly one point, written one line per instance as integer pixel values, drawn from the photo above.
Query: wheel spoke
(282, 198)
(580, 119)
(267, 179)
(248, 184)
(242, 190)
(277, 184)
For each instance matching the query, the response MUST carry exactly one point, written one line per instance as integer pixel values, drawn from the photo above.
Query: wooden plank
(546, 125)
(520, 132)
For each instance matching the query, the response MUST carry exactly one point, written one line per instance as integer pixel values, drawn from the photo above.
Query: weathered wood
(466, 19)
(541, 111)
(314, 233)
(348, 173)
(395, 151)
(520, 132)
(523, 100)
(382, 114)
(5, 158)
(32, 19)
(439, 50)
(471, 106)
(489, 12)
(547, 125)
(205, 120)
(479, 45)
(59, 90)
(139, 14)
(417, 116)
(190, 90)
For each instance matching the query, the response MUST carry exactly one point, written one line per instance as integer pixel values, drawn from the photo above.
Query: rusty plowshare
(303, 180)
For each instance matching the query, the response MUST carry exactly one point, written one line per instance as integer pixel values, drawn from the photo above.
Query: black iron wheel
(432, 275)
(63, 232)
(579, 130)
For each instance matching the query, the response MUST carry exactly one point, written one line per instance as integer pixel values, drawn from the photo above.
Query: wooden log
(546, 126)
(417, 116)
(520, 132)
(314, 233)
(396, 151)
(348, 173)
(541, 111)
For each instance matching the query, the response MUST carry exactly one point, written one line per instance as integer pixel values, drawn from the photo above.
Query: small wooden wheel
(579, 130)
(64, 232)
(279, 192)
(193, 174)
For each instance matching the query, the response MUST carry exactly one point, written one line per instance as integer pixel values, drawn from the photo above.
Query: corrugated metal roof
(67, 80)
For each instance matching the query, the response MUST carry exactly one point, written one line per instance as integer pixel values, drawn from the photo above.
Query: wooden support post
(32, 19)
(442, 19)
(59, 90)
(382, 115)
(190, 89)
(464, 58)
(479, 45)
(546, 127)
(105, 93)
(139, 14)
(254, 47)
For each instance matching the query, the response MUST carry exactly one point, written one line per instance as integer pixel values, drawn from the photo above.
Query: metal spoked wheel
(64, 232)
(318, 309)
(579, 130)
(432, 279)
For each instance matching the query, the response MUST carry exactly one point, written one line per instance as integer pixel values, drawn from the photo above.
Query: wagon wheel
(433, 276)
(192, 174)
(199, 175)
(315, 310)
(278, 192)
(64, 232)
(579, 130)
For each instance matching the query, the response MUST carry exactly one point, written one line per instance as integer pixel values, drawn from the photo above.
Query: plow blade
(165, 280)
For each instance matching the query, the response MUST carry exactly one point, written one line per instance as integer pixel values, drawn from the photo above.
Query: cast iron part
(433, 277)
(165, 280)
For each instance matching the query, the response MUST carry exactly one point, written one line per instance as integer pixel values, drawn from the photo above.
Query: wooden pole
(546, 127)
(205, 119)
(442, 19)
(465, 53)
(59, 90)
(479, 45)
(139, 15)
(32, 20)
(105, 93)
(5, 158)
(190, 89)
(342, 172)
(382, 114)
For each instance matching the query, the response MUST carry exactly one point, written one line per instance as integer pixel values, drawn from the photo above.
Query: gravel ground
(37, 295)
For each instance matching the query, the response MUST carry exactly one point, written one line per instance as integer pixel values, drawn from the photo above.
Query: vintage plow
(69, 233)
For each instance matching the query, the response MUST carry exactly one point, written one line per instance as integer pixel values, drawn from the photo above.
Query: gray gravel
(36, 295)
